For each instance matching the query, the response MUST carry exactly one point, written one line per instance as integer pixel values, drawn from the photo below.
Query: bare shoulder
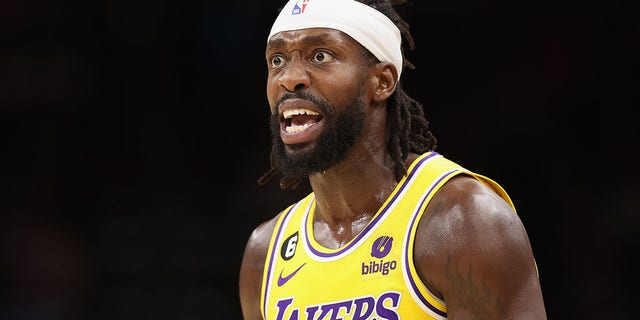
(252, 266)
(473, 251)
(466, 202)
(464, 217)
(258, 241)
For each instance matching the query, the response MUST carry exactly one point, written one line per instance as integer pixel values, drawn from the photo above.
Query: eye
(277, 61)
(322, 56)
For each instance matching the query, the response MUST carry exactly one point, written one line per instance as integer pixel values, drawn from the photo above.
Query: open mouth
(298, 120)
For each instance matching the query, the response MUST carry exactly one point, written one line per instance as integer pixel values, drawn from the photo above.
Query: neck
(348, 196)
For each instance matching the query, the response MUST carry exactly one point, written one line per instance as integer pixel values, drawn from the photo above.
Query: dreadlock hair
(408, 126)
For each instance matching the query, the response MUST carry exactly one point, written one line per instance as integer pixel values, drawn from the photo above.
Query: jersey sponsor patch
(379, 266)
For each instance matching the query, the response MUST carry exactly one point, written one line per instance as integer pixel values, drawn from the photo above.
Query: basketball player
(392, 229)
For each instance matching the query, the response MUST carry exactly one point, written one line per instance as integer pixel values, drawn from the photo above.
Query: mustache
(324, 106)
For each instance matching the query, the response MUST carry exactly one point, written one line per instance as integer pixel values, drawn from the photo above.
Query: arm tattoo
(469, 295)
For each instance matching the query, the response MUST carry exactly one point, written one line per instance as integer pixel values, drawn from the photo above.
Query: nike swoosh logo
(283, 280)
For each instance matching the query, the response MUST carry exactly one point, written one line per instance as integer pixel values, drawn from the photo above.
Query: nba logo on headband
(297, 9)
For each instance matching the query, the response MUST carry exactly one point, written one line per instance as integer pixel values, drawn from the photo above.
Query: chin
(298, 149)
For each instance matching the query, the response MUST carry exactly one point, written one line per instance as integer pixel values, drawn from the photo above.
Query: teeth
(294, 129)
(294, 112)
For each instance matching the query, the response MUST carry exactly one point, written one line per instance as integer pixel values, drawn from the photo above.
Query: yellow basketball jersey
(373, 276)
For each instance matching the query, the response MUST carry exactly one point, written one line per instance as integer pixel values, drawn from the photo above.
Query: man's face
(316, 91)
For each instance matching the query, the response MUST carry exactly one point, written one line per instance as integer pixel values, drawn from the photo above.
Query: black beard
(340, 132)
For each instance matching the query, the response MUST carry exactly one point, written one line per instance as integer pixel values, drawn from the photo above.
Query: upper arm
(251, 269)
(473, 250)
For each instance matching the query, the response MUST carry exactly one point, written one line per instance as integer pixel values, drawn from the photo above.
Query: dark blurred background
(133, 133)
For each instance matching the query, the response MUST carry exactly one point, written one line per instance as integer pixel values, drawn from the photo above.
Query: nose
(295, 76)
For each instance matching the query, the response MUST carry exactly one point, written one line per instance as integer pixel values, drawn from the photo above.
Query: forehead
(311, 36)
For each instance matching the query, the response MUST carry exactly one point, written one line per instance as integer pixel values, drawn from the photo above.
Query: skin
(471, 249)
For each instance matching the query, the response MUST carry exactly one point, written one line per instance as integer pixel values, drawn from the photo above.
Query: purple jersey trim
(274, 256)
(414, 286)
(373, 222)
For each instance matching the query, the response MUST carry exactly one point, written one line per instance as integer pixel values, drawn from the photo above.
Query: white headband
(372, 29)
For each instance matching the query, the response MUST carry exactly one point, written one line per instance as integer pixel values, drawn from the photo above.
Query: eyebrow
(307, 40)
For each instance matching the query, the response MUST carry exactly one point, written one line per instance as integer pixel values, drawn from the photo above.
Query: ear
(386, 81)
